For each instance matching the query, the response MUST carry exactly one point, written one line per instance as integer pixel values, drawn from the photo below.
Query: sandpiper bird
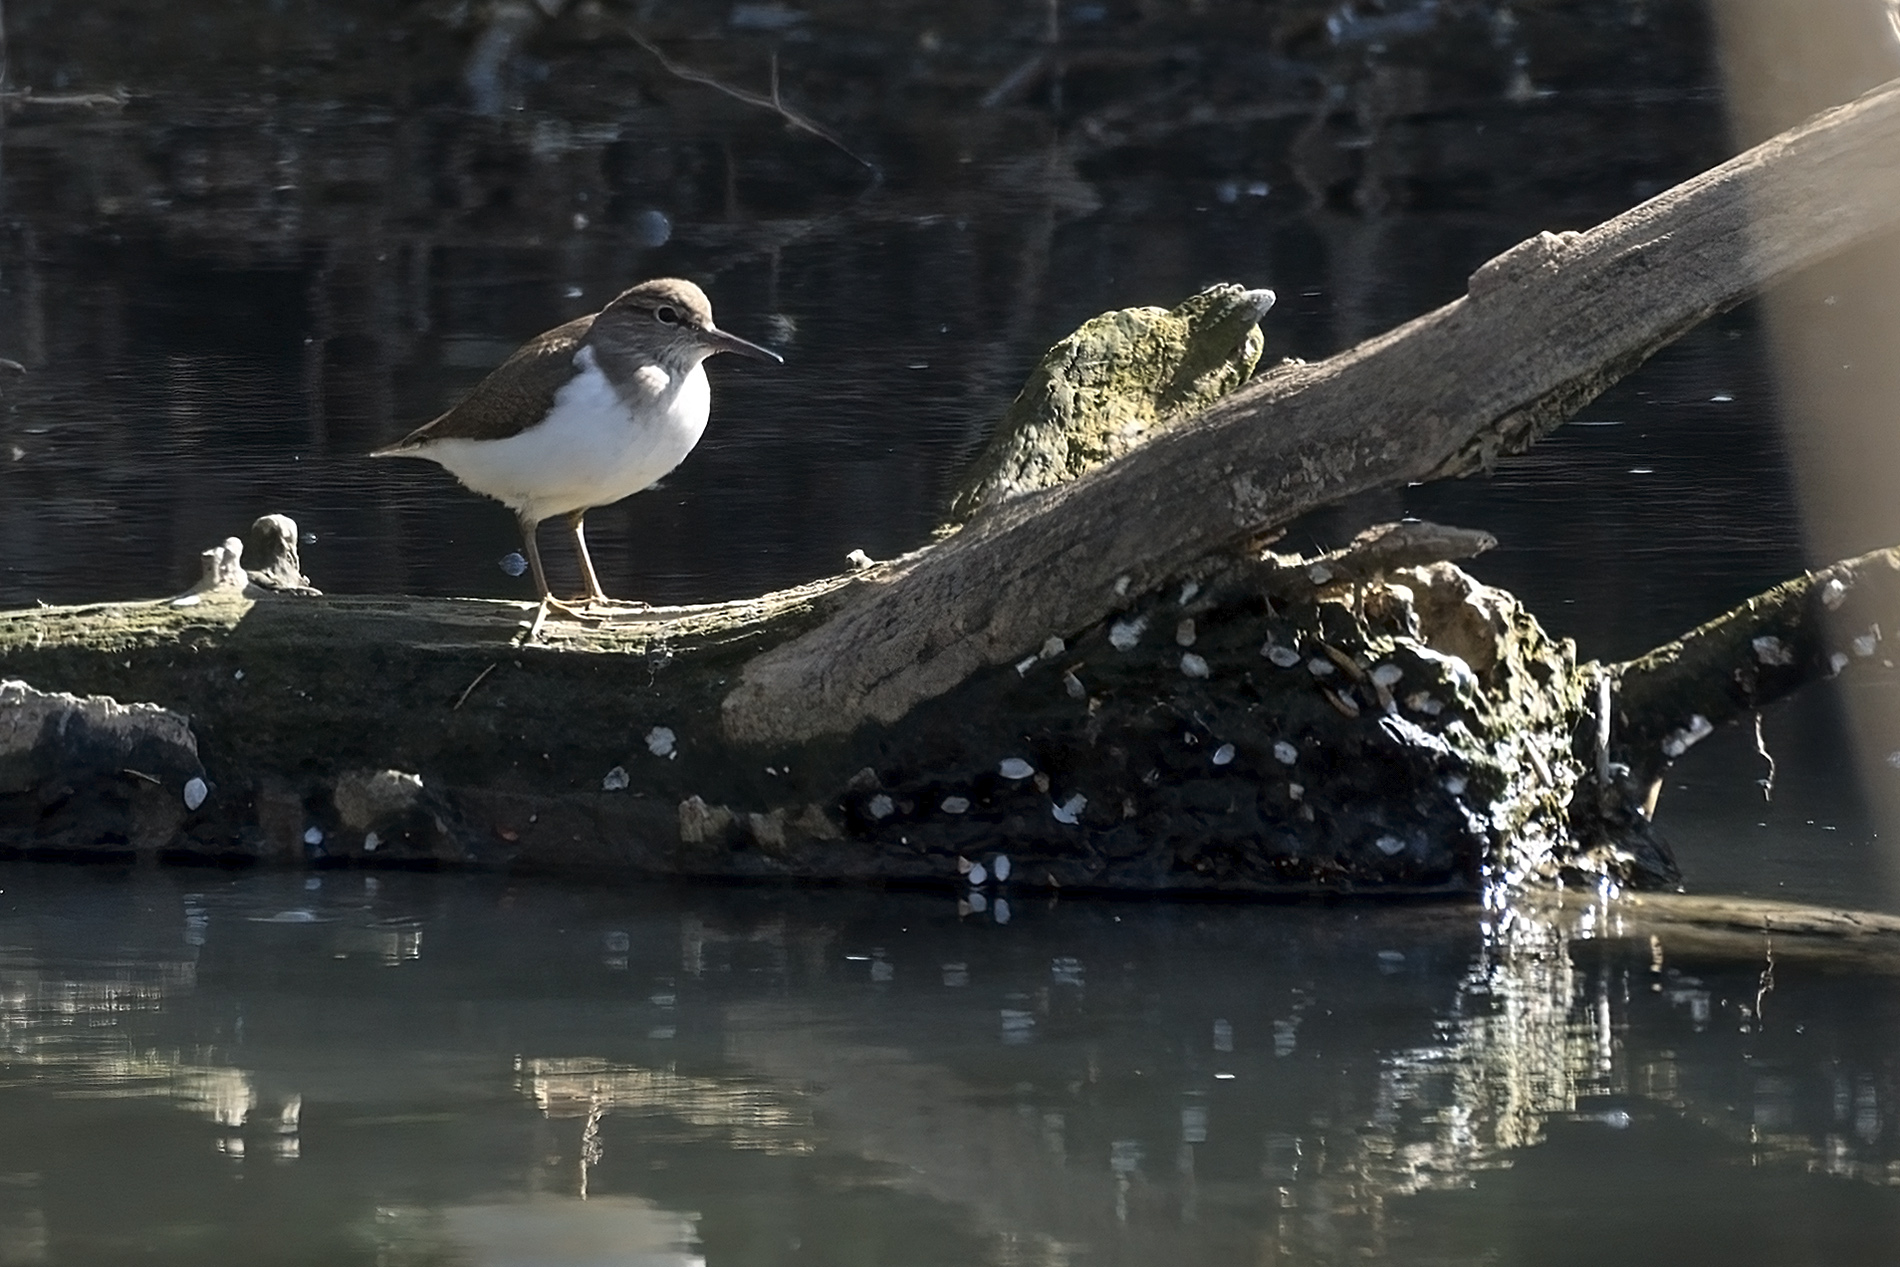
(586, 414)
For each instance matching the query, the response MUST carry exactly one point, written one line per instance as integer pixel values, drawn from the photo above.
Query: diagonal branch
(1542, 330)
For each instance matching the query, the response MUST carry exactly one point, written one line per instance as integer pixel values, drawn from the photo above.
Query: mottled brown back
(514, 396)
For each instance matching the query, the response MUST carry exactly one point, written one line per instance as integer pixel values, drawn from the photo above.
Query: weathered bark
(1812, 627)
(1543, 329)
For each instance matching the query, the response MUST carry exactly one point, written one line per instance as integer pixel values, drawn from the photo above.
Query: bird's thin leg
(594, 593)
(596, 597)
(533, 552)
(549, 603)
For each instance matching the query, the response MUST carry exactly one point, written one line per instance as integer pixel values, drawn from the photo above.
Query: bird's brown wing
(515, 395)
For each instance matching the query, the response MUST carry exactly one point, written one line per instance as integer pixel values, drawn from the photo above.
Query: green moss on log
(1111, 385)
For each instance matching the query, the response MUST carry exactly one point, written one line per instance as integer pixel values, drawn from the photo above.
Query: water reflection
(452, 1070)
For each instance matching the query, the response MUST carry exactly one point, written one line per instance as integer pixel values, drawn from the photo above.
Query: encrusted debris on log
(89, 775)
(1269, 724)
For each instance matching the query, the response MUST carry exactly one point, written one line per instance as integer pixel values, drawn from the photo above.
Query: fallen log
(1103, 684)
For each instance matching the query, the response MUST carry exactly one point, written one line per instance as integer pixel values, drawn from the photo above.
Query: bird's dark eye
(667, 316)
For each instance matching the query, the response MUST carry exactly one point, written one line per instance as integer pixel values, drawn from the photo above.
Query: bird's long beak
(719, 341)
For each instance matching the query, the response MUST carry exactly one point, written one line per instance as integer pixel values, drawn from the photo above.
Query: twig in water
(470, 688)
(1603, 738)
(1017, 81)
(1761, 746)
(1767, 984)
(114, 100)
(773, 103)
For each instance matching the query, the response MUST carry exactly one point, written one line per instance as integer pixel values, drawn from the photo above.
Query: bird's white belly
(591, 450)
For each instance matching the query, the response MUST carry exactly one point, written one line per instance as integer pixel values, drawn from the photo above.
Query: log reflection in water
(1110, 1082)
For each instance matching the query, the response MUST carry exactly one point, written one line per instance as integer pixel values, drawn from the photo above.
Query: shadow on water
(422, 1069)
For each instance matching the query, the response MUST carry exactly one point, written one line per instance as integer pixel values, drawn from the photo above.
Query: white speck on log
(881, 806)
(1073, 685)
(195, 792)
(1193, 665)
(978, 875)
(1771, 650)
(1321, 668)
(1319, 574)
(1121, 586)
(1387, 675)
(1865, 644)
(313, 836)
(372, 842)
(1224, 755)
(1014, 768)
(1294, 791)
(1833, 594)
(1184, 633)
(955, 805)
(1052, 647)
(1124, 634)
(1893, 759)
(1836, 663)
(1455, 784)
(999, 867)
(1285, 753)
(1422, 702)
(1284, 657)
(615, 780)
(1070, 810)
(1390, 846)
(1025, 664)
(660, 741)
(1680, 741)
(1188, 591)
(859, 560)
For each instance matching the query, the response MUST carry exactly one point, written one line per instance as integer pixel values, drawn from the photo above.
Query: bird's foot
(597, 610)
(595, 607)
(600, 607)
(579, 608)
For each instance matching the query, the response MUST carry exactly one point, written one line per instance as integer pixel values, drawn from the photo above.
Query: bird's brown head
(673, 318)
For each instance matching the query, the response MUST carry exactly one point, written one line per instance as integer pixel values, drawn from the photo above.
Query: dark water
(313, 224)
(195, 1068)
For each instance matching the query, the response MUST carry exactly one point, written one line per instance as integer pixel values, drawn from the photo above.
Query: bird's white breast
(594, 447)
